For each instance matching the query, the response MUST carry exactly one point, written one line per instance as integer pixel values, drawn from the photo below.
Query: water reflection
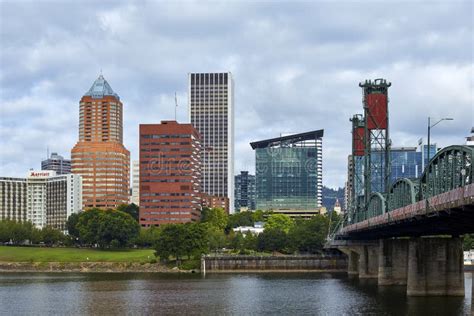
(220, 294)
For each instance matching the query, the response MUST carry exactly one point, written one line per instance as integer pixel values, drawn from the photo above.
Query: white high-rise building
(211, 112)
(52, 198)
(135, 197)
(13, 198)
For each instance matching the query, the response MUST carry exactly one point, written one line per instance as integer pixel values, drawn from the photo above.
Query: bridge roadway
(417, 245)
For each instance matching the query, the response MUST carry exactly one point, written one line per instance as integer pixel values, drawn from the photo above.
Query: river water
(214, 294)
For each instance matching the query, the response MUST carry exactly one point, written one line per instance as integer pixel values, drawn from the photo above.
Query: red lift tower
(370, 147)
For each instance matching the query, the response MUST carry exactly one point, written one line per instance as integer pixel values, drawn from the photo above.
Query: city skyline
(292, 71)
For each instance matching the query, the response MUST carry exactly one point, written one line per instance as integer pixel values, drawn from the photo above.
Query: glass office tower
(244, 191)
(406, 162)
(289, 172)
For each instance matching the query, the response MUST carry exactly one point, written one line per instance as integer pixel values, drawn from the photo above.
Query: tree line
(105, 229)
(16, 233)
(213, 234)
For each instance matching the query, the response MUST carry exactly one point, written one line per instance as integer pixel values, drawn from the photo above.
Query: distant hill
(330, 196)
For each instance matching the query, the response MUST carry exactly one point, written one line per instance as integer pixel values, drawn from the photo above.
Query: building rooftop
(101, 88)
(295, 138)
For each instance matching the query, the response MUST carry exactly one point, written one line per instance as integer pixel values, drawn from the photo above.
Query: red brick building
(212, 201)
(170, 173)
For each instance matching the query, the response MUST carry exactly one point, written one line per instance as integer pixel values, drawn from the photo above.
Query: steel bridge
(440, 202)
(408, 232)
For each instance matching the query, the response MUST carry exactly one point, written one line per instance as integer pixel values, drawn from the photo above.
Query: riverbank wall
(242, 263)
(101, 267)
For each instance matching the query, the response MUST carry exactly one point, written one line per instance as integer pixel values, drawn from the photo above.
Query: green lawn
(43, 254)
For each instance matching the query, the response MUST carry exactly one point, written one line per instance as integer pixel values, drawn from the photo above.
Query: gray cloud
(296, 68)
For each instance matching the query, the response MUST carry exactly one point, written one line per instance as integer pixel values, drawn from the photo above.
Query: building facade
(52, 198)
(245, 192)
(13, 199)
(212, 201)
(170, 173)
(135, 195)
(43, 198)
(289, 172)
(57, 163)
(100, 156)
(211, 112)
(405, 162)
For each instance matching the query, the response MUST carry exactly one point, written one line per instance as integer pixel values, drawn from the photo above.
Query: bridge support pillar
(353, 264)
(352, 260)
(435, 267)
(368, 261)
(393, 262)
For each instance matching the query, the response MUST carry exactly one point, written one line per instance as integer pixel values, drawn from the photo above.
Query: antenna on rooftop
(176, 105)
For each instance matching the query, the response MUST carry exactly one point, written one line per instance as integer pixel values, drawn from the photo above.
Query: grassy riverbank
(43, 254)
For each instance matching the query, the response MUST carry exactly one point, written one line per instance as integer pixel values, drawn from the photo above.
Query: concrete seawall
(87, 267)
(313, 263)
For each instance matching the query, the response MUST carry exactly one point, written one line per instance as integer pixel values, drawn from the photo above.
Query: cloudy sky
(296, 67)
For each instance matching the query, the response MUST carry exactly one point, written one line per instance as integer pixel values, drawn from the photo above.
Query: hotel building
(170, 173)
(13, 198)
(43, 198)
(211, 112)
(52, 198)
(100, 156)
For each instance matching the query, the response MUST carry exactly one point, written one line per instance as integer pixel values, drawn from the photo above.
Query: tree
(51, 236)
(6, 230)
(195, 239)
(179, 240)
(117, 227)
(131, 209)
(468, 242)
(279, 221)
(18, 232)
(308, 236)
(23, 231)
(251, 241)
(237, 242)
(147, 237)
(71, 224)
(258, 216)
(216, 217)
(272, 239)
(104, 227)
(170, 242)
(88, 226)
(240, 219)
(217, 239)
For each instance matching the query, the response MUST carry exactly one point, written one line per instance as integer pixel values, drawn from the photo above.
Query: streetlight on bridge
(430, 126)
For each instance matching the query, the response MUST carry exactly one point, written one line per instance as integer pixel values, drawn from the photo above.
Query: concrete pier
(353, 263)
(428, 266)
(435, 267)
(368, 262)
(393, 262)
